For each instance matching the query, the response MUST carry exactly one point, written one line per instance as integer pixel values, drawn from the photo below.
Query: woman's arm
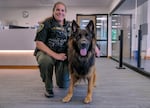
(58, 56)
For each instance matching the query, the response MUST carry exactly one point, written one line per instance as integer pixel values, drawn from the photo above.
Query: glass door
(102, 34)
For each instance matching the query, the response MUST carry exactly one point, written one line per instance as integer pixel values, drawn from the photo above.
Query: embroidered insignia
(41, 26)
(58, 28)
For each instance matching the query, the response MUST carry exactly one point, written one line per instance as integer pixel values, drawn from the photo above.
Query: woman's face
(59, 12)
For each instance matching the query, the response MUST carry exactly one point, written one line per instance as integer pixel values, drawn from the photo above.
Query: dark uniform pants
(46, 66)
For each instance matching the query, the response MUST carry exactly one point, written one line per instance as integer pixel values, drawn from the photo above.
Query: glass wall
(121, 22)
(132, 17)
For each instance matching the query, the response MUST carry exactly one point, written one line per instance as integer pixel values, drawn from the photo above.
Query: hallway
(116, 88)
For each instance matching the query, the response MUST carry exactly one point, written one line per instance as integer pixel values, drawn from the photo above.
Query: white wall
(25, 58)
(14, 16)
(114, 4)
(17, 39)
(17, 47)
(148, 36)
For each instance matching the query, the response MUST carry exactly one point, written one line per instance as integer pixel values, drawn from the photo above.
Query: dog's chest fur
(81, 65)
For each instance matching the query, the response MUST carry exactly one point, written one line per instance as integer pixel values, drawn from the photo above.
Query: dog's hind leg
(69, 95)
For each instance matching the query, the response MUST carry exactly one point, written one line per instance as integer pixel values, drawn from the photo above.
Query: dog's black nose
(83, 44)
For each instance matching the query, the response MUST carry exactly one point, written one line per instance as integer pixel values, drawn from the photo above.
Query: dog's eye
(87, 36)
(78, 37)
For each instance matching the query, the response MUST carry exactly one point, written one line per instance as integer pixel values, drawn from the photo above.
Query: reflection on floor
(145, 64)
(131, 62)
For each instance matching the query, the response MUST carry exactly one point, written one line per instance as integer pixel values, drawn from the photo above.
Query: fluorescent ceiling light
(99, 24)
(85, 21)
(102, 18)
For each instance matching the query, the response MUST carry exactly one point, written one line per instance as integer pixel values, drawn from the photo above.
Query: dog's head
(83, 39)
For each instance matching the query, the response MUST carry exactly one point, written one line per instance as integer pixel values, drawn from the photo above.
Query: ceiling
(40, 3)
(103, 4)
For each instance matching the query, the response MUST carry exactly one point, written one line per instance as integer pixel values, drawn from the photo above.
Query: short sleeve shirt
(54, 35)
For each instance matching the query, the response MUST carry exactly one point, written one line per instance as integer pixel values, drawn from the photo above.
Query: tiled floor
(116, 88)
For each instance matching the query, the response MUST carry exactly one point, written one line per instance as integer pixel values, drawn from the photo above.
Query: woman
(51, 49)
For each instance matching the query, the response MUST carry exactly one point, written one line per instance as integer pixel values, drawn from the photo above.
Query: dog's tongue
(83, 52)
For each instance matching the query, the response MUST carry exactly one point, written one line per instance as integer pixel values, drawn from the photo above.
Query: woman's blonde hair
(59, 3)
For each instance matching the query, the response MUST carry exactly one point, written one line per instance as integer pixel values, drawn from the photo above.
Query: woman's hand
(97, 51)
(60, 56)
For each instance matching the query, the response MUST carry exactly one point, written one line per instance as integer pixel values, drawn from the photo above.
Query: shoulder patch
(41, 26)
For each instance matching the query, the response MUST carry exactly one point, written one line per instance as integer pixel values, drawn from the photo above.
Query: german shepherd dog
(81, 58)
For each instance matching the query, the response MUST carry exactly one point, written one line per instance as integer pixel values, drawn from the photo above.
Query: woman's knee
(44, 59)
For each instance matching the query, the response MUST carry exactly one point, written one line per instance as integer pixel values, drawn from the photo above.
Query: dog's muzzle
(83, 48)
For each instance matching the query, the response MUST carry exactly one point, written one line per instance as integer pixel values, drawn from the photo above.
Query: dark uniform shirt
(53, 35)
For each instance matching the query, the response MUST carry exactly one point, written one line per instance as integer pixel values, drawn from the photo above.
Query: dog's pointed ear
(75, 26)
(90, 26)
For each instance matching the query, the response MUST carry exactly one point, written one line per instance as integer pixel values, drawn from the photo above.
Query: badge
(41, 26)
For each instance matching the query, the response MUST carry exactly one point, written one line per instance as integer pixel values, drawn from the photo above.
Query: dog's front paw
(66, 98)
(87, 100)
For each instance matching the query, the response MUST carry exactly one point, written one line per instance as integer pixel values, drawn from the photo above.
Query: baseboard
(147, 57)
(108, 56)
(17, 67)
